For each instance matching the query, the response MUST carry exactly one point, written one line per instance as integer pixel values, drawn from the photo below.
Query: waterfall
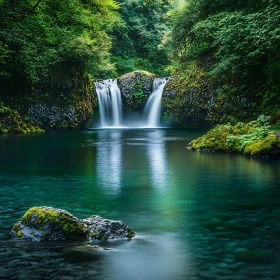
(153, 106)
(109, 102)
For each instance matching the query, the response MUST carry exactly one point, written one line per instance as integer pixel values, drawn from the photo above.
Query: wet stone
(63, 272)
(6, 273)
(33, 258)
(223, 271)
(66, 278)
(13, 263)
(92, 273)
(222, 265)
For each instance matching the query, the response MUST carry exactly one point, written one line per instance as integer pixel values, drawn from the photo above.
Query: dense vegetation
(140, 37)
(227, 53)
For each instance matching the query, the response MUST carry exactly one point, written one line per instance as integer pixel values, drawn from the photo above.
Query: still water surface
(196, 215)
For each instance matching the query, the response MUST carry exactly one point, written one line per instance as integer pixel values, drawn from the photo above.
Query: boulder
(103, 229)
(136, 88)
(47, 223)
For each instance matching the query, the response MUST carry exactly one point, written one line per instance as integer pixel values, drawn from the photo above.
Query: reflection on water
(109, 159)
(157, 158)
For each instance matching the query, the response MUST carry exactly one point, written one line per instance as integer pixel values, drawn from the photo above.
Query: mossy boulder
(136, 88)
(47, 223)
(254, 138)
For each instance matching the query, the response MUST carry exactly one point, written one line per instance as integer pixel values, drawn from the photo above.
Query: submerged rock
(47, 223)
(104, 229)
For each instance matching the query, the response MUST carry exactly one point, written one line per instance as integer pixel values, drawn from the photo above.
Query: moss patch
(11, 121)
(270, 144)
(255, 138)
(50, 219)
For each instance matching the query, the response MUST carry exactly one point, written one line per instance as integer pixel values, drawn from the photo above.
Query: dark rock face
(53, 116)
(56, 102)
(69, 104)
(136, 88)
(47, 223)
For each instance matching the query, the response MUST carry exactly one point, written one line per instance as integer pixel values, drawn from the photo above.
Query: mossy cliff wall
(193, 98)
(57, 102)
(136, 88)
(63, 103)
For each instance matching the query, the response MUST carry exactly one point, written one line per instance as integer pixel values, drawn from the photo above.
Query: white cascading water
(109, 102)
(153, 106)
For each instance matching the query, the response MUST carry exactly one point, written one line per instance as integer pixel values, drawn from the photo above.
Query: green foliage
(236, 44)
(57, 36)
(140, 37)
(229, 120)
(138, 94)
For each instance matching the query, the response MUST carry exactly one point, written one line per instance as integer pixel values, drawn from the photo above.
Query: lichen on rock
(48, 223)
(104, 229)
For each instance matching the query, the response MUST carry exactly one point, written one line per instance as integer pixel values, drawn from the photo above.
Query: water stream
(111, 108)
(153, 106)
(110, 103)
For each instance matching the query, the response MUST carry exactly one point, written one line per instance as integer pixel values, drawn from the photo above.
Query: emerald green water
(196, 215)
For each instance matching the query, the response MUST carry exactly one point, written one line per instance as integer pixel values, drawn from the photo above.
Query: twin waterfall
(110, 104)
